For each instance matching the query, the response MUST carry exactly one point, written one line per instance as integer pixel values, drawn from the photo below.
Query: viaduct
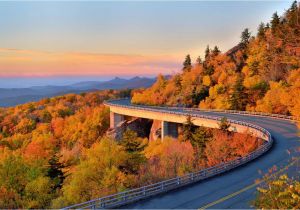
(236, 183)
(169, 117)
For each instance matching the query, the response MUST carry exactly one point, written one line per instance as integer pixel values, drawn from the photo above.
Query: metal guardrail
(132, 195)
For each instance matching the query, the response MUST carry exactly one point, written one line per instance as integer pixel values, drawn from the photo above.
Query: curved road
(236, 188)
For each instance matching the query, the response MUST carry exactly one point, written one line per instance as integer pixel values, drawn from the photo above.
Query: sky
(85, 40)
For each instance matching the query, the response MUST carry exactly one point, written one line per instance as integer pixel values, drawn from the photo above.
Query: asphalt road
(236, 188)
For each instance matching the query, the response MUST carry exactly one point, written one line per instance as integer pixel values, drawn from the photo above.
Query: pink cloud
(28, 63)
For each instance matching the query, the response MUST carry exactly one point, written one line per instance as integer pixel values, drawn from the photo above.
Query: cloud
(16, 62)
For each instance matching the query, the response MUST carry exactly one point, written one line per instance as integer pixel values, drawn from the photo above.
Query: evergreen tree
(216, 51)
(187, 64)
(177, 81)
(133, 146)
(199, 95)
(245, 37)
(55, 171)
(188, 129)
(198, 60)
(261, 31)
(207, 52)
(275, 22)
(131, 142)
(224, 125)
(292, 15)
(200, 136)
(237, 99)
(199, 139)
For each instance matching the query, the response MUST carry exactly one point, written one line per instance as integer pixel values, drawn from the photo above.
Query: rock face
(139, 125)
(155, 131)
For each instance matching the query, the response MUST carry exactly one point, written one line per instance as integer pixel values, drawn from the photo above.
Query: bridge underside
(170, 121)
(169, 129)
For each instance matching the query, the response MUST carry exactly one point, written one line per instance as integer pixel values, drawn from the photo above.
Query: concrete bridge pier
(169, 129)
(115, 119)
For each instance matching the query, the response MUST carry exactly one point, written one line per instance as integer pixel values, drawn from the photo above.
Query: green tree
(131, 142)
(55, 171)
(224, 125)
(177, 81)
(199, 139)
(134, 146)
(261, 31)
(216, 51)
(245, 37)
(207, 52)
(187, 64)
(238, 97)
(199, 60)
(199, 95)
(275, 22)
(188, 129)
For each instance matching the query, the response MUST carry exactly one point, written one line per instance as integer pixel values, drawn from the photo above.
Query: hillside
(261, 73)
(56, 152)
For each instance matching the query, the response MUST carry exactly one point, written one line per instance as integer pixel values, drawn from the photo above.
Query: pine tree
(177, 81)
(187, 64)
(216, 51)
(188, 129)
(55, 171)
(245, 37)
(237, 99)
(292, 15)
(207, 52)
(275, 22)
(198, 60)
(261, 31)
(224, 125)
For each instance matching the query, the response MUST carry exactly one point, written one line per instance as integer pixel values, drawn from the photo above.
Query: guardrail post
(102, 204)
(178, 180)
(124, 197)
(144, 190)
(94, 205)
(192, 177)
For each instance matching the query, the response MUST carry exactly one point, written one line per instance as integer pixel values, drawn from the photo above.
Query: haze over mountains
(15, 96)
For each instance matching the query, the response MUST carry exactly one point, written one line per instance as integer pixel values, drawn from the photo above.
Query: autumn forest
(56, 152)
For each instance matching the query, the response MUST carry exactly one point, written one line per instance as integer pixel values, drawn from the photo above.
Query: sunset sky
(106, 39)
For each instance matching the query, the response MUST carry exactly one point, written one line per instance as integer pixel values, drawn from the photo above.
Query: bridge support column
(115, 119)
(169, 129)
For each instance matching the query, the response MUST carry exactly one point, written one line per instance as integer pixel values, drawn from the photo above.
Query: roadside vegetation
(280, 193)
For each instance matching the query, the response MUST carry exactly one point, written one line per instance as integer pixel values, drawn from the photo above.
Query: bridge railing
(132, 195)
(279, 116)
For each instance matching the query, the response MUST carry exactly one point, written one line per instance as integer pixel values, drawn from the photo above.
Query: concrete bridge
(236, 184)
(170, 118)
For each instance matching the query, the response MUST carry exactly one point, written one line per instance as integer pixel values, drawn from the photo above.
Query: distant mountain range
(15, 96)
